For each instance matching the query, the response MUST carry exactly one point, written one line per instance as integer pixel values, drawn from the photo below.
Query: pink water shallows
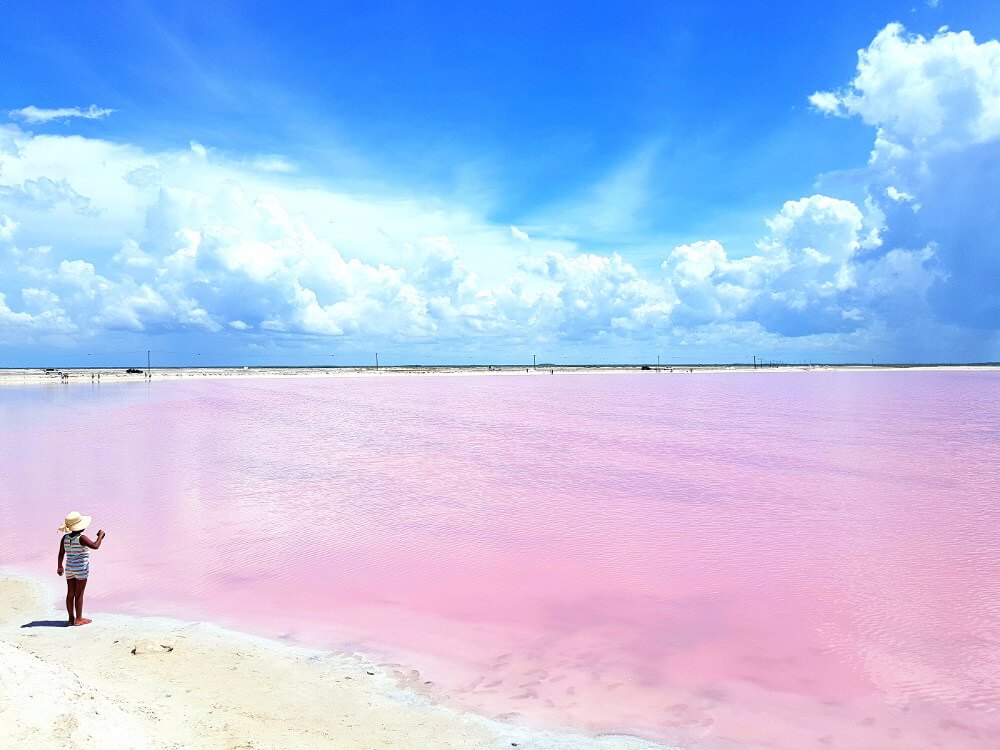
(781, 560)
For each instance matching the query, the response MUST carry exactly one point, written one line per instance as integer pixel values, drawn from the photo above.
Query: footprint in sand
(542, 674)
(531, 684)
(472, 685)
(557, 678)
(493, 684)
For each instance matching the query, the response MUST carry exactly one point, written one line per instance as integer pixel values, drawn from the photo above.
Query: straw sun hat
(75, 522)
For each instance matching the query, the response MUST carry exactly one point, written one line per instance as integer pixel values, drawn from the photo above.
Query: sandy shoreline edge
(195, 685)
(28, 376)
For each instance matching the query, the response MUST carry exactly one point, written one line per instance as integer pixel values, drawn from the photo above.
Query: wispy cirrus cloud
(36, 115)
(612, 208)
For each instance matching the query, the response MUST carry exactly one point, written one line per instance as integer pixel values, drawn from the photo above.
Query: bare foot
(82, 621)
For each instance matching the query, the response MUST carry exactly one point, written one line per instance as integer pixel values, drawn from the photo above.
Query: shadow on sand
(46, 624)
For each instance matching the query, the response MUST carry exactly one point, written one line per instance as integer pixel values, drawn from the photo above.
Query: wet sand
(129, 682)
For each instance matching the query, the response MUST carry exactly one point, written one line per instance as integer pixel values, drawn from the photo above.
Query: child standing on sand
(75, 548)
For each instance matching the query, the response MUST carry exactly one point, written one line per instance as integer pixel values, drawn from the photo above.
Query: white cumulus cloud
(7, 228)
(98, 236)
(934, 172)
(827, 102)
(924, 93)
(807, 276)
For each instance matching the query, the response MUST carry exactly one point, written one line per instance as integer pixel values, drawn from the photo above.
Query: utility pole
(376, 361)
(148, 373)
(755, 361)
(657, 361)
(534, 364)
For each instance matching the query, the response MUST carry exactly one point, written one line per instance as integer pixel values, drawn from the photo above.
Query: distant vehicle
(133, 371)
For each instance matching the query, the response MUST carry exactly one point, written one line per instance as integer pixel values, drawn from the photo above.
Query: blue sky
(442, 182)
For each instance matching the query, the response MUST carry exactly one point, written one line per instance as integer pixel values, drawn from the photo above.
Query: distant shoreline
(66, 375)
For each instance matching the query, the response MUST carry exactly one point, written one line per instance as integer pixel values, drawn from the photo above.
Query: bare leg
(81, 584)
(70, 597)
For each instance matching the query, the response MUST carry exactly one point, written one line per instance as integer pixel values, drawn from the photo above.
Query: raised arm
(62, 554)
(93, 545)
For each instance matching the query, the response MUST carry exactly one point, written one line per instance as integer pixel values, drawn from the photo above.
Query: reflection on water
(789, 560)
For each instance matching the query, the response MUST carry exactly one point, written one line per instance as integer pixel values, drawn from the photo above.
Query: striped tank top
(77, 557)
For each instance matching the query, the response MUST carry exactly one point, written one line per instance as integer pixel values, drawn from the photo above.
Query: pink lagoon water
(780, 560)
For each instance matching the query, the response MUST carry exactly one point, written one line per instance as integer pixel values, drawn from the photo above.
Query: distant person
(75, 549)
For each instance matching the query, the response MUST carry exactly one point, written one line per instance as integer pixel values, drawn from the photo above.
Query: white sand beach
(126, 682)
